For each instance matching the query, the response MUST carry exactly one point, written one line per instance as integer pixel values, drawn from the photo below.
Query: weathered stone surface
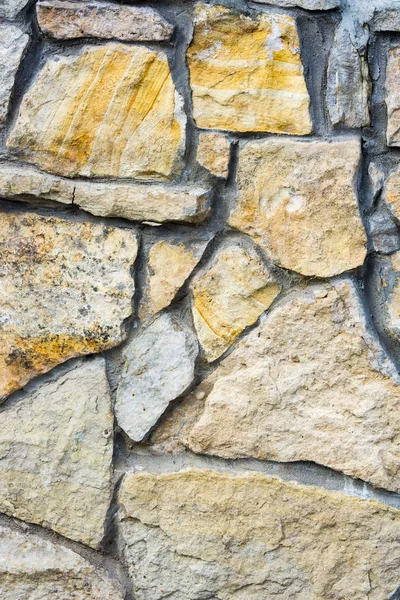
(393, 96)
(10, 8)
(68, 19)
(310, 383)
(205, 534)
(213, 153)
(246, 73)
(348, 84)
(56, 446)
(65, 290)
(298, 201)
(32, 568)
(26, 183)
(170, 261)
(387, 20)
(13, 43)
(229, 295)
(391, 193)
(387, 283)
(307, 4)
(159, 367)
(384, 232)
(108, 110)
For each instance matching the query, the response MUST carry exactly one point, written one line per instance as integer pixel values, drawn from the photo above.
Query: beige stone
(68, 19)
(213, 153)
(386, 279)
(66, 288)
(13, 44)
(56, 448)
(393, 96)
(25, 183)
(310, 383)
(246, 73)
(170, 261)
(106, 111)
(391, 193)
(229, 295)
(298, 201)
(205, 534)
(33, 568)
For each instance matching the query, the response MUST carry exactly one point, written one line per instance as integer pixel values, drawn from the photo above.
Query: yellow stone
(246, 73)
(108, 111)
(246, 536)
(213, 153)
(230, 295)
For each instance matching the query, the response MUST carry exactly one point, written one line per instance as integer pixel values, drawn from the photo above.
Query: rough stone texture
(387, 279)
(387, 20)
(229, 295)
(169, 264)
(25, 183)
(298, 201)
(32, 568)
(205, 534)
(108, 110)
(348, 85)
(10, 8)
(65, 290)
(310, 383)
(13, 43)
(68, 19)
(384, 232)
(213, 153)
(159, 367)
(393, 97)
(307, 4)
(56, 446)
(246, 73)
(391, 193)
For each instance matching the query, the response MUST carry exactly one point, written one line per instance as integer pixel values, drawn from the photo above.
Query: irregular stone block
(10, 8)
(393, 97)
(170, 261)
(391, 193)
(159, 367)
(384, 232)
(68, 19)
(56, 447)
(387, 282)
(307, 4)
(246, 73)
(66, 288)
(25, 183)
(229, 295)
(298, 201)
(310, 383)
(34, 568)
(205, 534)
(387, 20)
(13, 43)
(213, 153)
(348, 84)
(106, 111)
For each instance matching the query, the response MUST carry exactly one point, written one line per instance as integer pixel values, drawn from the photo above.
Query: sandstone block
(213, 153)
(56, 447)
(66, 288)
(298, 201)
(229, 295)
(391, 193)
(32, 568)
(393, 97)
(106, 111)
(159, 367)
(13, 43)
(310, 383)
(205, 534)
(68, 19)
(27, 184)
(246, 73)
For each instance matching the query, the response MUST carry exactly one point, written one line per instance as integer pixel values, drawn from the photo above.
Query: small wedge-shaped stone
(310, 383)
(213, 153)
(205, 534)
(65, 290)
(33, 568)
(108, 110)
(159, 367)
(298, 201)
(307, 4)
(68, 19)
(393, 96)
(13, 43)
(246, 73)
(229, 295)
(56, 446)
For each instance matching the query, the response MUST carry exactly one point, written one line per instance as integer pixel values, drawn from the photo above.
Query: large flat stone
(246, 73)
(13, 43)
(66, 288)
(106, 111)
(159, 367)
(205, 534)
(298, 201)
(393, 96)
(310, 383)
(56, 447)
(33, 568)
(69, 19)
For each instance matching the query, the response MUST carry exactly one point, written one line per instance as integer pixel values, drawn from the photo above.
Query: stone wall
(200, 300)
